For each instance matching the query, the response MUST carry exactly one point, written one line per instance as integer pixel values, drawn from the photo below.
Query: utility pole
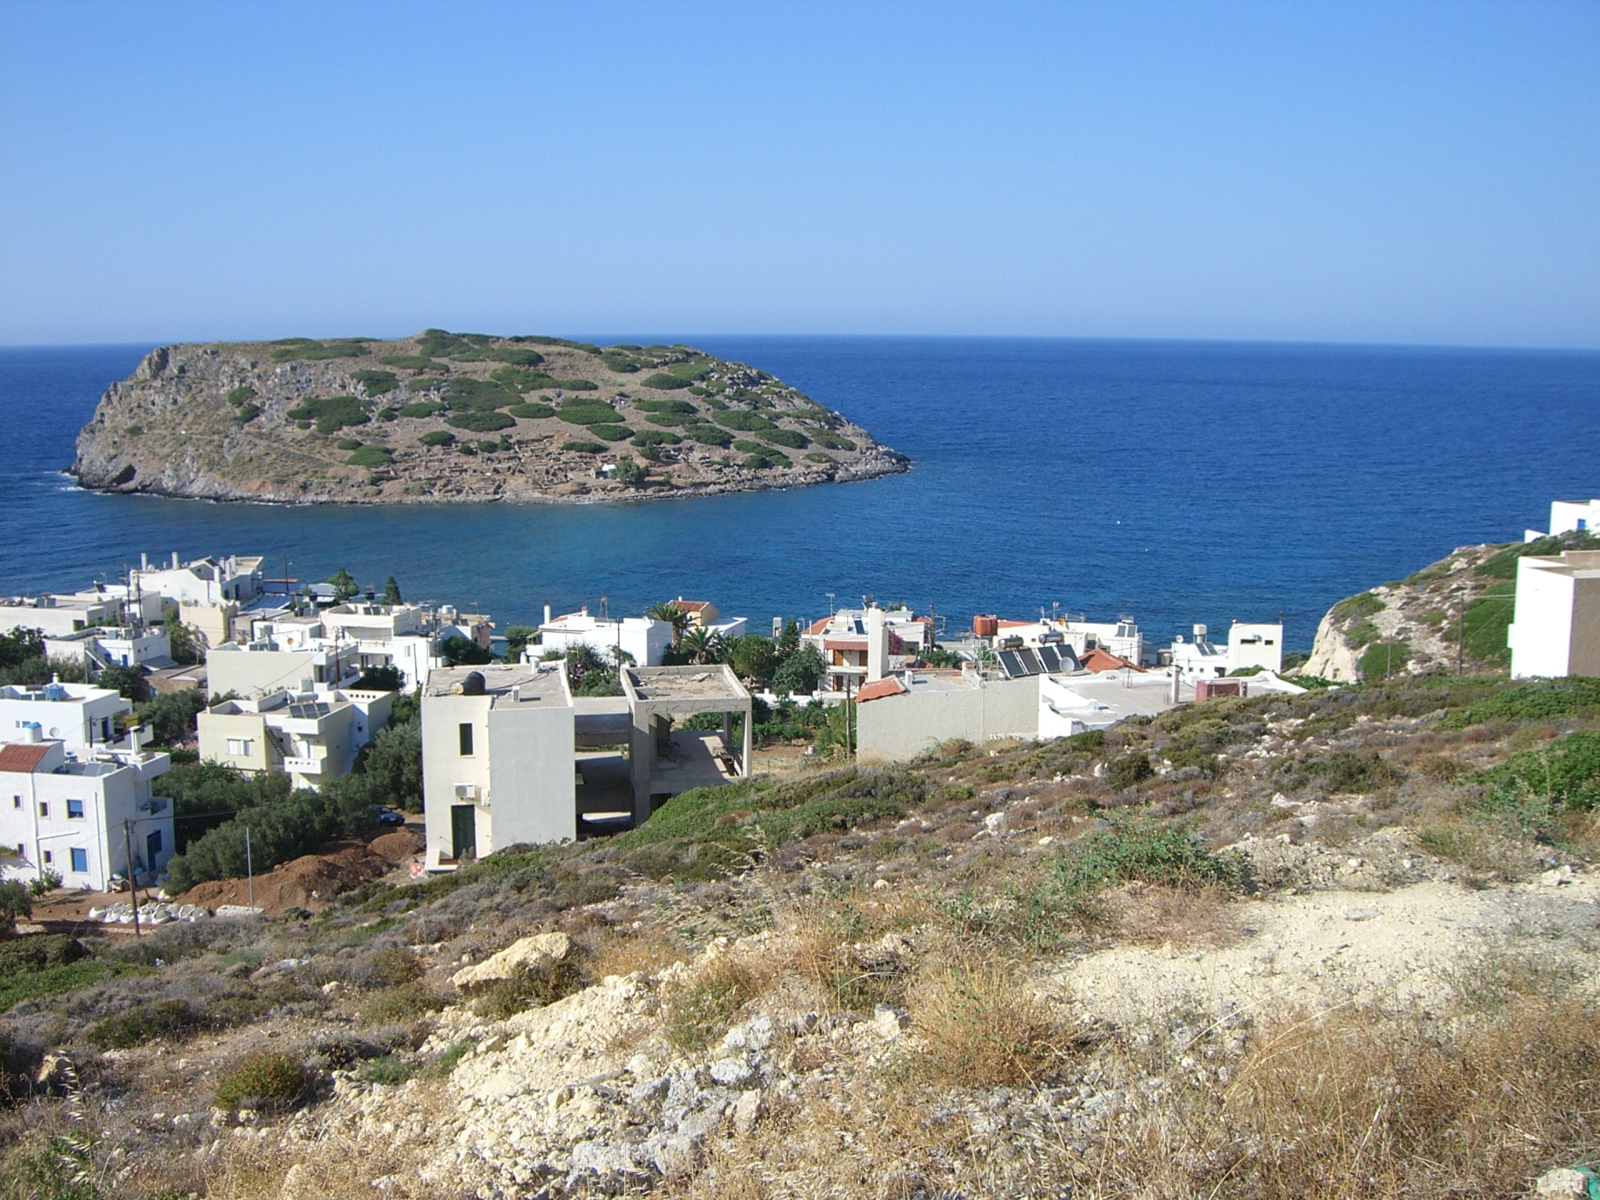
(133, 882)
(249, 876)
(849, 751)
(1461, 630)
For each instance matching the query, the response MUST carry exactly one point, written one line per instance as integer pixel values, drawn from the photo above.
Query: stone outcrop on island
(460, 417)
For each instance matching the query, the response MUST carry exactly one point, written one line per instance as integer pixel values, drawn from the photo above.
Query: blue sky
(1338, 172)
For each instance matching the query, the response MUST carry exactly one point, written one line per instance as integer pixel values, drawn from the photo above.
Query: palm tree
(670, 612)
(703, 646)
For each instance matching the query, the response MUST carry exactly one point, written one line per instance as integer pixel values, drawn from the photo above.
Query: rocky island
(460, 417)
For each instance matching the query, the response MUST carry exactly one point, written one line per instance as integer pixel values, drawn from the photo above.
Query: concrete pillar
(877, 644)
(745, 761)
(641, 755)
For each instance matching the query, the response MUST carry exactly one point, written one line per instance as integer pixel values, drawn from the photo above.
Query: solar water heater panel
(1030, 661)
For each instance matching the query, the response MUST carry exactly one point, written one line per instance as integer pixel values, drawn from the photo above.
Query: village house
(1250, 645)
(1555, 628)
(862, 645)
(80, 716)
(310, 736)
(288, 652)
(1569, 516)
(642, 639)
(79, 816)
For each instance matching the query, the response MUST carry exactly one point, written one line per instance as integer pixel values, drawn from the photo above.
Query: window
(44, 808)
(22, 850)
(75, 810)
(239, 747)
(466, 738)
(16, 802)
(80, 860)
(48, 858)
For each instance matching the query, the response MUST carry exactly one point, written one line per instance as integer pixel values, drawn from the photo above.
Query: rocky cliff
(460, 417)
(1415, 626)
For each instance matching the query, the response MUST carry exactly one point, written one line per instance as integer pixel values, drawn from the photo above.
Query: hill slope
(459, 417)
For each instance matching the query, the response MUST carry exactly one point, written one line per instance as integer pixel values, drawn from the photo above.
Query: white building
(205, 581)
(1120, 637)
(1250, 644)
(1569, 516)
(901, 716)
(259, 668)
(101, 647)
(312, 737)
(1555, 628)
(644, 639)
(497, 760)
(81, 717)
(60, 616)
(80, 816)
(386, 635)
(862, 645)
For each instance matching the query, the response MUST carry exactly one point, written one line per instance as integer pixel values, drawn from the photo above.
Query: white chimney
(877, 644)
(516, 693)
(144, 562)
(547, 614)
(174, 560)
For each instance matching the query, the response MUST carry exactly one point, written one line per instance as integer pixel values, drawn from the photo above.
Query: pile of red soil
(399, 845)
(310, 881)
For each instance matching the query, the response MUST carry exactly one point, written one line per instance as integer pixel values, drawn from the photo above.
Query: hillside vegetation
(1454, 612)
(1329, 946)
(446, 416)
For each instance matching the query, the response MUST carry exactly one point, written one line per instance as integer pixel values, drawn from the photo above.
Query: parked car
(387, 815)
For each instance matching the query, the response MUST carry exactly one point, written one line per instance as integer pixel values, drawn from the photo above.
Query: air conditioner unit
(466, 791)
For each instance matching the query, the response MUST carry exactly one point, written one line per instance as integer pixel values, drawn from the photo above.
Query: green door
(463, 831)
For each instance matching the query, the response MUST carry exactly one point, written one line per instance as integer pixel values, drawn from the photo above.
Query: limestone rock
(523, 956)
(1564, 1183)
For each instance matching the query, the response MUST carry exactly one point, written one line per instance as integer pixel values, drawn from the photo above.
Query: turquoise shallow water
(1178, 482)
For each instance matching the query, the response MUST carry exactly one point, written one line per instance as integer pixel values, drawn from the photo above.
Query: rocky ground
(447, 417)
(1261, 948)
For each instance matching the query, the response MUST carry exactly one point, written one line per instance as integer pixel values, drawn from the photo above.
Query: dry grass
(980, 1026)
(700, 1008)
(1155, 915)
(651, 950)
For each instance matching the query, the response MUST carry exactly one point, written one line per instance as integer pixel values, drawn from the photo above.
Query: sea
(1174, 482)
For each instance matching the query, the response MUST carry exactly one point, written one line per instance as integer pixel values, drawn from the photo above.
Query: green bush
(611, 433)
(1563, 776)
(693, 372)
(791, 438)
(412, 362)
(577, 385)
(822, 459)
(666, 406)
(707, 435)
(531, 412)
(1350, 771)
(663, 382)
(376, 383)
(388, 1070)
(834, 441)
(240, 394)
(306, 349)
(266, 1081)
(401, 1004)
(618, 360)
(247, 413)
(1129, 770)
(1535, 700)
(1135, 849)
(745, 422)
(478, 395)
(331, 413)
(419, 409)
(437, 437)
(478, 421)
(656, 437)
(1386, 658)
(348, 444)
(1353, 608)
(371, 456)
(423, 384)
(134, 431)
(671, 420)
(589, 414)
(147, 1022)
(578, 447)
(522, 380)
(518, 356)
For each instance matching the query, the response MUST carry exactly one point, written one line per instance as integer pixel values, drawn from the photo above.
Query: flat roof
(684, 683)
(537, 689)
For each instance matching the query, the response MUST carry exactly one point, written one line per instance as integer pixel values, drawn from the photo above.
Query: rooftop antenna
(602, 606)
(831, 609)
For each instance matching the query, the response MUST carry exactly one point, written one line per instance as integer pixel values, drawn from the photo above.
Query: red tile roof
(691, 606)
(1103, 660)
(818, 625)
(23, 758)
(877, 691)
(1016, 624)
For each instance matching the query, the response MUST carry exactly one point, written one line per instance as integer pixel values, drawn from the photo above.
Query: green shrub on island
(331, 413)
(467, 395)
(577, 447)
(376, 382)
(590, 414)
(531, 412)
(437, 437)
(707, 435)
(746, 422)
(246, 414)
(665, 406)
(522, 380)
(620, 361)
(575, 385)
(388, 414)
(834, 441)
(758, 462)
(791, 438)
(480, 420)
(517, 356)
(350, 443)
(671, 419)
(611, 433)
(655, 437)
(134, 431)
(266, 1081)
(424, 383)
(663, 382)
(240, 394)
(818, 456)
(746, 446)
(691, 372)
(308, 350)
(371, 456)
(423, 408)
(413, 362)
